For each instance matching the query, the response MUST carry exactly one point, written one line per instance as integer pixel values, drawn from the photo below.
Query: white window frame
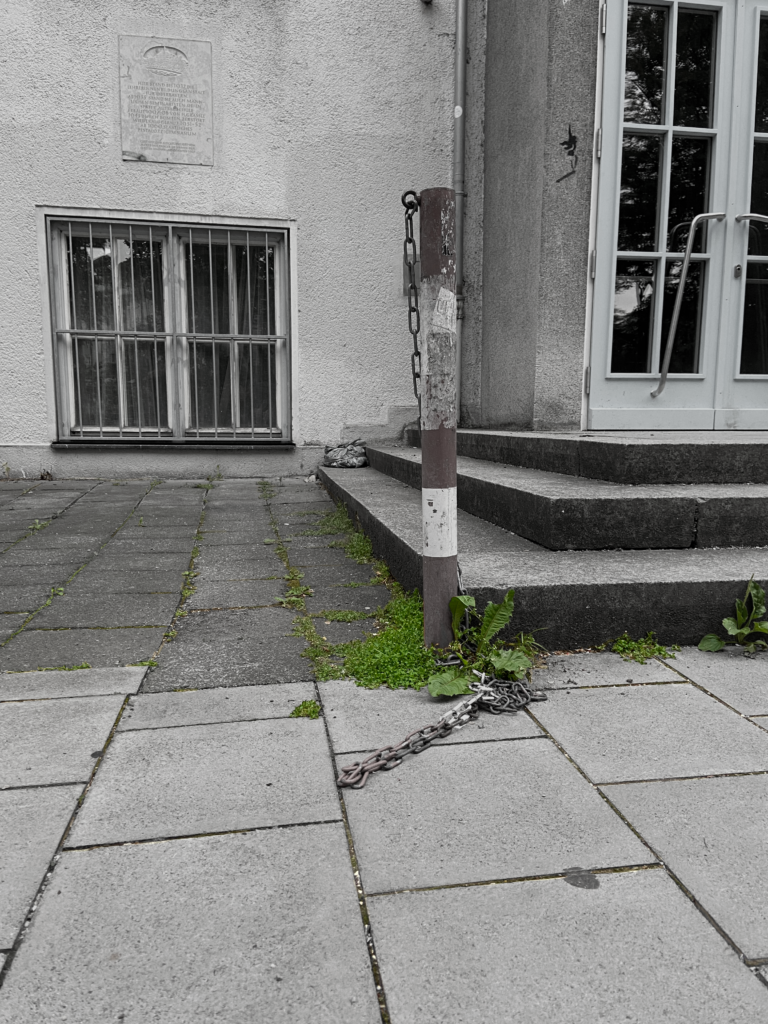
(58, 385)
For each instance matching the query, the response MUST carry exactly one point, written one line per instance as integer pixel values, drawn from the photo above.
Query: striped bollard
(437, 300)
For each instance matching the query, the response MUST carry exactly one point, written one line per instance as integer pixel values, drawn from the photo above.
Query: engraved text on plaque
(166, 104)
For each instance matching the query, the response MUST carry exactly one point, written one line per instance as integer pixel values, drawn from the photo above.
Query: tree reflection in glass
(645, 65)
(685, 355)
(688, 185)
(633, 316)
(694, 67)
(638, 203)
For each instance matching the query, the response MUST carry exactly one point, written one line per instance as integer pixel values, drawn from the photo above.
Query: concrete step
(565, 513)
(626, 457)
(571, 599)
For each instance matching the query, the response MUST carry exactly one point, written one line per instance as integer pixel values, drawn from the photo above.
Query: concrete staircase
(664, 538)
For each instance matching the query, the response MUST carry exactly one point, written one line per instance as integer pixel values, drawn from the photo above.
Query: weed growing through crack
(639, 650)
(307, 709)
(38, 525)
(65, 668)
(149, 663)
(395, 657)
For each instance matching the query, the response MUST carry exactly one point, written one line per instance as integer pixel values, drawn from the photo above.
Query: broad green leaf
(760, 627)
(514, 662)
(711, 642)
(495, 618)
(732, 626)
(742, 615)
(757, 594)
(450, 683)
(458, 606)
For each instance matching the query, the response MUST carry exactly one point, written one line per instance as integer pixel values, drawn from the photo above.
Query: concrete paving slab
(357, 599)
(61, 562)
(229, 563)
(634, 950)
(30, 576)
(599, 669)
(132, 581)
(342, 574)
(221, 704)
(108, 610)
(52, 741)
(32, 822)
(478, 811)
(152, 545)
(235, 594)
(9, 623)
(632, 733)
(224, 537)
(209, 778)
(300, 494)
(712, 834)
(311, 557)
(740, 681)
(73, 543)
(32, 649)
(360, 719)
(88, 682)
(242, 928)
(232, 648)
(158, 562)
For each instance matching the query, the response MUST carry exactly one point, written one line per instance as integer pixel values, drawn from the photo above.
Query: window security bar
(170, 333)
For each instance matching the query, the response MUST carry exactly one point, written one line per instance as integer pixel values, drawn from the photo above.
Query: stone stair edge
(573, 608)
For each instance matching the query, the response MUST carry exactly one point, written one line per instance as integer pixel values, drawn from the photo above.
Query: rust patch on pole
(437, 299)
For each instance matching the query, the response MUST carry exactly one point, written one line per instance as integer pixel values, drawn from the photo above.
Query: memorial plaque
(166, 107)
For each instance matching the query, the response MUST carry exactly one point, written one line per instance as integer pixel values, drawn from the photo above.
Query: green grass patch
(65, 668)
(639, 650)
(337, 521)
(395, 657)
(307, 709)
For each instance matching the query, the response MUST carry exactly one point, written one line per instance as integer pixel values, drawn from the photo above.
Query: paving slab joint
(21, 935)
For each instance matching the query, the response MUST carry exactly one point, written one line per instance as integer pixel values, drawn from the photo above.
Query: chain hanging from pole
(410, 200)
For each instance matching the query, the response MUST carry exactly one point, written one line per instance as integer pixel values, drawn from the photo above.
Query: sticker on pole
(438, 507)
(444, 315)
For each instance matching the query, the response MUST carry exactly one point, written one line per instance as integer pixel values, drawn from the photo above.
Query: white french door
(685, 132)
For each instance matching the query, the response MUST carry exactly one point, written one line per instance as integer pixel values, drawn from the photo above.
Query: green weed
(38, 525)
(149, 663)
(395, 657)
(65, 668)
(307, 709)
(337, 521)
(639, 650)
(749, 613)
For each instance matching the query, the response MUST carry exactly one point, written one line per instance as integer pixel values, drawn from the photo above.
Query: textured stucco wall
(540, 78)
(324, 111)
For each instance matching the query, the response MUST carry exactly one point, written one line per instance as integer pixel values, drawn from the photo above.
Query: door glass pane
(694, 68)
(211, 385)
(94, 366)
(257, 380)
(207, 287)
(91, 297)
(761, 104)
(638, 204)
(645, 66)
(633, 316)
(146, 396)
(140, 273)
(685, 354)
(688, 186)
(754, 335)
(255, 270)
(758, 233)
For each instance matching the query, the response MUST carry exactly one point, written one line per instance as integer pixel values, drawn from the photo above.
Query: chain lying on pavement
(490, 694)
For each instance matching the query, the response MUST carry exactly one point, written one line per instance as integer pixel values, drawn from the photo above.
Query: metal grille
(169, 332)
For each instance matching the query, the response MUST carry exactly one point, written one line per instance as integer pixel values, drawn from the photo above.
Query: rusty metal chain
(490, 694)
(410, 201)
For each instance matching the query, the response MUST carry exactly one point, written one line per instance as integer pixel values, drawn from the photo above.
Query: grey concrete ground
(173, 847)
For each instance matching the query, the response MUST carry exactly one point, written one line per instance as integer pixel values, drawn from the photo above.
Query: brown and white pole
(437, 300)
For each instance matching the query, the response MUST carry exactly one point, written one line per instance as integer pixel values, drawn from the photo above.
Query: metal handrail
(698, 219)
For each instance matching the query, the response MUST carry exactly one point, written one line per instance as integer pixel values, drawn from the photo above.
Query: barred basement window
(169, 332)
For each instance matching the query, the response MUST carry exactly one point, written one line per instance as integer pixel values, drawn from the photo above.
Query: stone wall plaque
(166, 100)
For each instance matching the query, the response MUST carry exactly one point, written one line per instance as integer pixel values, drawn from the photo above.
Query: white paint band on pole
(438, 508)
